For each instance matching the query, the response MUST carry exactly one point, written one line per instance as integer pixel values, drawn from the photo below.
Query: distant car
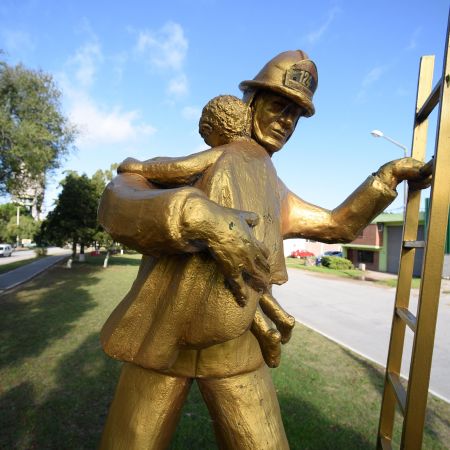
(301, 254)
(329, 253)
(5, 250)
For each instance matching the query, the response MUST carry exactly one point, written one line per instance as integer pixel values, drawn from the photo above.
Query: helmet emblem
(298, 78)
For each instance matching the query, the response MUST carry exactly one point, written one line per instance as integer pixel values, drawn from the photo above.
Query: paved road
(17, 276)
(358, 315)
(17, 256)
(20, 255)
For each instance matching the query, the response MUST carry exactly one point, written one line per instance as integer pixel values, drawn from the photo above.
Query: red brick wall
(369, 236)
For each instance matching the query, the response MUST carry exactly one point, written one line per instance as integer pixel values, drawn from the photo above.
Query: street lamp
(378, 134)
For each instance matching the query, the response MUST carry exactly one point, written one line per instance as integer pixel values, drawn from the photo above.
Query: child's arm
(171, 171)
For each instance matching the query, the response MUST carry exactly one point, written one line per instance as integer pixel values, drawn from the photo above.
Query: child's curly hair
(224, 119)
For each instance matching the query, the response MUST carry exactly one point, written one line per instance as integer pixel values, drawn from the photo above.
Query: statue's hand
(228, 235)
(409, 169)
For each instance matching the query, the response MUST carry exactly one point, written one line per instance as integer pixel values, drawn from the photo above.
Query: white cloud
(118, 65)
(165, 48)
(369, 79)
(100, 126)
(191, 113)
(17, 41)
(413, 41)
(86, 59)
(373, 75)
(315, 35)
(178, 86)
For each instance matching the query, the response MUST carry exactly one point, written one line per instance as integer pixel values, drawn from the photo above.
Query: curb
(352, 349)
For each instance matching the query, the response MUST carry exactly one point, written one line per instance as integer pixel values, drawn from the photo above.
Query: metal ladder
(413, 400)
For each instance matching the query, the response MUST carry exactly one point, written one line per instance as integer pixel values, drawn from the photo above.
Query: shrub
(40, 251)
(337, 263)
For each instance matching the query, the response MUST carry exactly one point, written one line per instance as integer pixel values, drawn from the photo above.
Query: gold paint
(414, 400)
(210, 227)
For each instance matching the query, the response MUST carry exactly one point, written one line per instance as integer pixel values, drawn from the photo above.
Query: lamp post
(378, 134)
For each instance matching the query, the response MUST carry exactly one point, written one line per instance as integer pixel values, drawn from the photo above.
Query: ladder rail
(411, 224)
(432, 271)
(413, 401)
(430, 103)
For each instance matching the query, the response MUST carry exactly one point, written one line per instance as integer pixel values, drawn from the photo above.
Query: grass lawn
(16, 264)
(350, 273)
(56, 384)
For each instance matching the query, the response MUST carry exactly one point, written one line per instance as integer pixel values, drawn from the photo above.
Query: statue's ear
(205, 130)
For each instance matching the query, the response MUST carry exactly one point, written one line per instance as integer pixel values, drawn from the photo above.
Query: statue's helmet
(291, 74)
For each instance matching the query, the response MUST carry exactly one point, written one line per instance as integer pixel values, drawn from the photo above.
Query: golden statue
(210, 227)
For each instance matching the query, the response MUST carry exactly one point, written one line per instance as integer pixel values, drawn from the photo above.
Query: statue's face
(274, 120)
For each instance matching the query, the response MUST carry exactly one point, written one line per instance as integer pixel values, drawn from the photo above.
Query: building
(379, 244)
(317, 248)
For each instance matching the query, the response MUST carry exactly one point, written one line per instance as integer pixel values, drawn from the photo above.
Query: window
(365, 256)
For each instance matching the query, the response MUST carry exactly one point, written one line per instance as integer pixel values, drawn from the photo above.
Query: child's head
(225, 119)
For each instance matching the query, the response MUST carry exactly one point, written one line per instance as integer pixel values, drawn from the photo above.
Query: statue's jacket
(179, 316)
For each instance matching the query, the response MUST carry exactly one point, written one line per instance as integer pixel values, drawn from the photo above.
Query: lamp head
(377, 133)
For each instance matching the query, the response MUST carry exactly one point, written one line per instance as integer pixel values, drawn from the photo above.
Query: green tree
(74, 218)
(102, 177)
(34, 134)
(8, 217)
(27, 228)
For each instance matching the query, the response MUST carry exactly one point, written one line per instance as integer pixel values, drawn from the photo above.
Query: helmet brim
(298, 97)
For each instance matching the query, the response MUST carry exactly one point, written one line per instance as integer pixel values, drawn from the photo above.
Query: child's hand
(130, 165)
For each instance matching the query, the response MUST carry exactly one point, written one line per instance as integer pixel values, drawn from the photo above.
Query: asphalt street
(358, 315)
(15, 277)
(20, 255)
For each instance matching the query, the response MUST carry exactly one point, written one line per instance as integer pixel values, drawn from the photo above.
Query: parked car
(5, 250)
(336, 253)
(300, 254)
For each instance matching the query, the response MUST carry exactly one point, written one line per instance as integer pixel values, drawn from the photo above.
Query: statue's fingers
(420, 184)
(239, 289)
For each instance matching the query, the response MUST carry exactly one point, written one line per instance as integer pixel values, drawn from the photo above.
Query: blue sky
(135, 76)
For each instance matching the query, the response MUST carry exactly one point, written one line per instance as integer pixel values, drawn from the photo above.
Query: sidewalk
(13, 278)
(372, 275)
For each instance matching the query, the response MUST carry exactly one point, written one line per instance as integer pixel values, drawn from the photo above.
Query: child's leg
(282, 320)
(269, 339)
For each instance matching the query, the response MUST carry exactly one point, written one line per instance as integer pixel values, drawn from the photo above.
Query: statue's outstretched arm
(183, 220)
(343, 224)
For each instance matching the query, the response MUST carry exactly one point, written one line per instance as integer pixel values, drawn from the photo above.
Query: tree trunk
(81, 256)
(74, 249)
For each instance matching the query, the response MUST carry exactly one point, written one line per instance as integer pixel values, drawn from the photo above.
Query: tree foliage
(8, 223)
(27, 228)
(34, 134)
(74, 218)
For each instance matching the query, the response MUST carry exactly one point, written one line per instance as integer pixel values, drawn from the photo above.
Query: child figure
(225, 119)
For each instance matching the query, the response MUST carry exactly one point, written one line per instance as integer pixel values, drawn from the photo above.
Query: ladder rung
(413, 244)
(430, 103)
(407, 316)
(399, 390)
(385, 443)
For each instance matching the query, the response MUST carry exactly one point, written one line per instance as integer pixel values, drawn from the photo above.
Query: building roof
(396, 218)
